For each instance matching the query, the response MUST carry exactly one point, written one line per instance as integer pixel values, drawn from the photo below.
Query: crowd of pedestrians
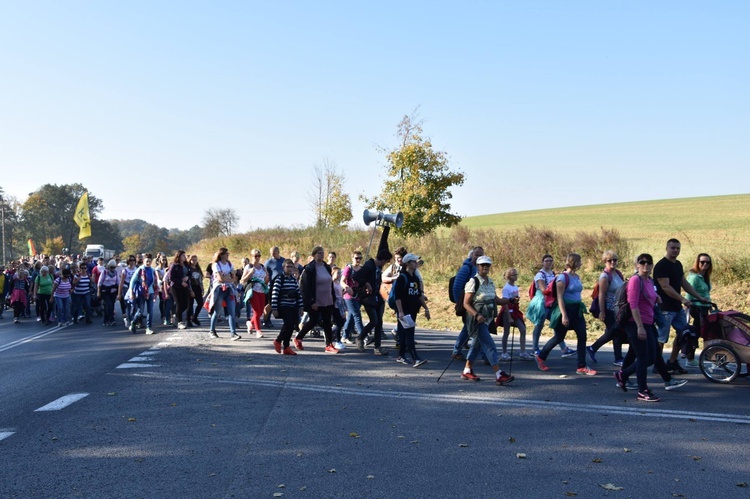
(320, 296)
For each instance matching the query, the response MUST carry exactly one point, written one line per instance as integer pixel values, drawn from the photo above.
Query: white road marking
(62, 402)
(141, 359)
(470, 399)
(33, 337)
(149, 352)
(135, 365)
(5, 434)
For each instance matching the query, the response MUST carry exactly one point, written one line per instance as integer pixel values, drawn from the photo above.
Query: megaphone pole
(372, 236)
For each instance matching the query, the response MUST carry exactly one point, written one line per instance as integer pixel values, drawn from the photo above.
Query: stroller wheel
(719, 363)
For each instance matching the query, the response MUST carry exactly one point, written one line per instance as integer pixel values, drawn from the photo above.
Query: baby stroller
(726, 345)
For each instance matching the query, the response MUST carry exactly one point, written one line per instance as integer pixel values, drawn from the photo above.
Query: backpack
(459, 307)
(392, 294)
(452, 281)
(622, 307)
(594, 308)
(532, 289)
(550, 292)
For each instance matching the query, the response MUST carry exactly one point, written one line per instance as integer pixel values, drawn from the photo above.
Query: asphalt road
(179, 414)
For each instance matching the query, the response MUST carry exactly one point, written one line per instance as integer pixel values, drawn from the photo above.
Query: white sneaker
(38, 319)
(338, 345)
(258, 334)
(348, 341)
(505, 356)
(149, 331)
(181, 325)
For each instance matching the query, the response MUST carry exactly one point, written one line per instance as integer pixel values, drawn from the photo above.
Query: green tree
(53, 246)
(418, 182)
(220, 222)
(132, 244)
(48, 213)
(330, 204)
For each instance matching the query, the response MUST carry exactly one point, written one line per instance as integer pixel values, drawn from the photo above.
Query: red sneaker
(504, 378)
(470, 376)
(331, 349)
(277, 346)
(289, 351)
(540, 364)
(298, 344)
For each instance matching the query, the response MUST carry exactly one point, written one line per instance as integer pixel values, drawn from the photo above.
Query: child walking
(511, 315)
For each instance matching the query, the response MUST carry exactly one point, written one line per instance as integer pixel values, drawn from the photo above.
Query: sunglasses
(612, 260)
(645, 262)
(357, 257)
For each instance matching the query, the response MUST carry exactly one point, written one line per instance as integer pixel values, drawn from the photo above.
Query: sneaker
(618, 362)
(537, 352)
(675, 367)
(692, 363)
(181, 325)
(213, 334)
(419, 362)
(338, 345)
(16, 320)
(647, 396)
(592, 354)
(394, 335)
(197, 322)
(504, 378)
(331, 349)
(258, 334)
(401, 360)
(126, 322)
(470, 376)
(568, 352)
(289, 351)
(505, 356)
(586, 371)
(380, 351)
(458, 356)
(347, 341)
(369, 341)
(674, 383)
(277, 346)
(541, 364)
(149, 330)
(620, 381)
(298, 344)
(360, 346)
(235, 337)
(132, 327)
(38, 319)
(525, 356)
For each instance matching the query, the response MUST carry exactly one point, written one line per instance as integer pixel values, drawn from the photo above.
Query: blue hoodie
(466, 272)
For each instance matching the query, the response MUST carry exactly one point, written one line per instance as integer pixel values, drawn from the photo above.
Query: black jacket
(307, 285)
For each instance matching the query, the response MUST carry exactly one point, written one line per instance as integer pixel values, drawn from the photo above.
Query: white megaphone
(381, 218)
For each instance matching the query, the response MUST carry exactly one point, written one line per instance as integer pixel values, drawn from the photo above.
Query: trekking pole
(468, 337)
(512, 339)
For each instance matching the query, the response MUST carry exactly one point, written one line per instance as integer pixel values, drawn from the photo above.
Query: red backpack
(550, 292)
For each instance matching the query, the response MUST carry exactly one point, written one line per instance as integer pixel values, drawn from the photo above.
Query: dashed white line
(5, 434)
(62, 402)
(140, 359)
(135, 365)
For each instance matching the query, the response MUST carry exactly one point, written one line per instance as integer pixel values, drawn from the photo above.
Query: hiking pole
(512, 339)
(468, 337)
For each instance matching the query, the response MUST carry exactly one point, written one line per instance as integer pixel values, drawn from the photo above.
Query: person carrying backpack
(568, 313)
(481, 301)
(603, 306)
(467, 270)
(408, 300)
(641, 299)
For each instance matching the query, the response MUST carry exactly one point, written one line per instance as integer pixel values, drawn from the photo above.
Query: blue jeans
(353, 318)
(483, 342)
(81, 303)
(226, 295)
(677, 320)
(646, 354)
(61, 308)
(144, 307)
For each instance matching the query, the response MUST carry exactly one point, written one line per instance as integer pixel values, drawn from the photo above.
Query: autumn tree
(330, 204)
(418, 182)
(220, 222)
(132, 244)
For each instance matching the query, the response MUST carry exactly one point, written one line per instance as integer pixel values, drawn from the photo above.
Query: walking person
(351, 299)
(61, 289)
(610, 280)
(223, 293)
(511, 315)
(81, 296)
(43, 292)
(409, 299)
(480, 303)
(123, 293)
(196, 286)
(19, 294)
(255, 278)
(643, 335)
(286, 304)
(567, 315)
(179, 279)
(700, 278)
(109, 283)
(369, 279)
(318, 298)
(144, 287)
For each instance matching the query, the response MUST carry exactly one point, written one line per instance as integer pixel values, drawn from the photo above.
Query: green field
(717, 224)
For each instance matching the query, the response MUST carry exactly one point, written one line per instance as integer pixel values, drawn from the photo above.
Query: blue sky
(164, 109)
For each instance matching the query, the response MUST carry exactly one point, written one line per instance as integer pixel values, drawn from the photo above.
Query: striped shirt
(63, 287)
(84, 285)
(285, 293)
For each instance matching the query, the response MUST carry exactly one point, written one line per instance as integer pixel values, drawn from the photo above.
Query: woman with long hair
(567, 315)
(255, 278)
(196, 286)
(351, 300)
(700, 278)
(610, 280)
(223, 293)
(179, 286)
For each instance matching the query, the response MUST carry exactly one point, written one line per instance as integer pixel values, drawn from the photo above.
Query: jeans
(353, 318)
(144, 307)
(226, 295)
(483, 342)
(646, 354)
(108, 300)
(81, 303)
(576, 323)
(537, 333)
(61, 308)
(675, 319)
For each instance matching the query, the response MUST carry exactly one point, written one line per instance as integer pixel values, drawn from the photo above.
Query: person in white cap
(409, 299)
(480, 302)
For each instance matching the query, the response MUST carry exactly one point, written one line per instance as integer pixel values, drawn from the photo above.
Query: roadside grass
(715, 225)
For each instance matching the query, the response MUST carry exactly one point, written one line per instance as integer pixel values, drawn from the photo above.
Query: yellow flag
(81, 216)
